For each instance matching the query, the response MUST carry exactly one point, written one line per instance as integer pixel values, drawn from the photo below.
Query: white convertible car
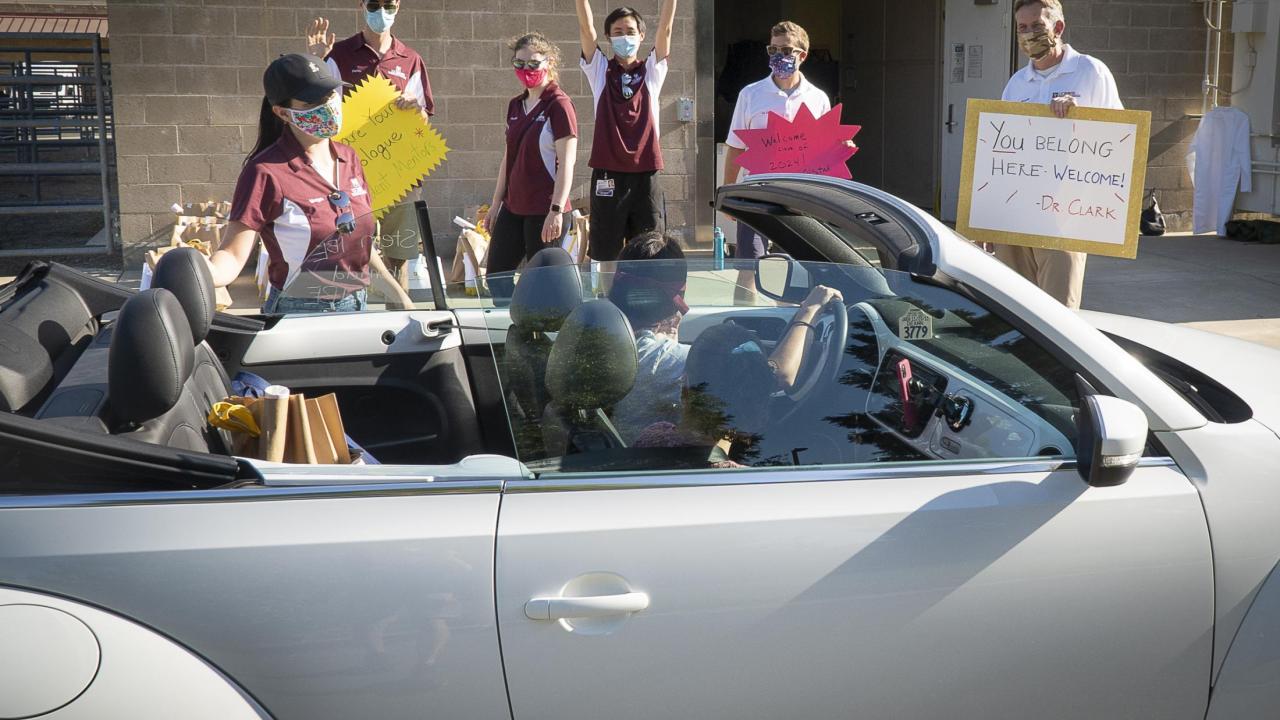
(971, 502)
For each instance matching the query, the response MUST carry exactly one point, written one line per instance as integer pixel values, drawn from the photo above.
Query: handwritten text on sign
(396, 147)
(1036, 180)
(808, 145)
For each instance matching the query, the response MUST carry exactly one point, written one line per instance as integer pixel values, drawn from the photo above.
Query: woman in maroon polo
(531, 199)
(305, 195)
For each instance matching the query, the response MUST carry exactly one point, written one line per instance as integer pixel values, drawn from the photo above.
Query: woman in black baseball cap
(306, 195)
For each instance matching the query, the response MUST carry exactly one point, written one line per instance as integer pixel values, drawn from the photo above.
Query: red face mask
(531, 78)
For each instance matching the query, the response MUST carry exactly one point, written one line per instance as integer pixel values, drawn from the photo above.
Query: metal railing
(55, 125)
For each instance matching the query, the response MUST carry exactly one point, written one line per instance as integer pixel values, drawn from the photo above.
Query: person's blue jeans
(279, 304)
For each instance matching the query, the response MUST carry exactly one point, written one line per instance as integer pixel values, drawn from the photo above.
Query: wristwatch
(556, 208)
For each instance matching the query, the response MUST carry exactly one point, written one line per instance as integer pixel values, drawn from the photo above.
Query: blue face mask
(380, 21)
(625, 46)
(784, 66)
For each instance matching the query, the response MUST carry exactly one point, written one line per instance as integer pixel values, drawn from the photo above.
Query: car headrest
(593, 361)
(185, 273)
(151, 356)
(550, 288)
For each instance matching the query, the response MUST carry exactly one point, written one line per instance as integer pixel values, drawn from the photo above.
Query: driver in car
(730, 381)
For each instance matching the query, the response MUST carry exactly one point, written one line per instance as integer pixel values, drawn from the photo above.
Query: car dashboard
(943, 412)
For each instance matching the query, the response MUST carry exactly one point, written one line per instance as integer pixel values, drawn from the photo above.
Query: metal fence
(56, 132)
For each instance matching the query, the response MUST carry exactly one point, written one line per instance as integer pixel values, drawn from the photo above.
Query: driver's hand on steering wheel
(820, 296)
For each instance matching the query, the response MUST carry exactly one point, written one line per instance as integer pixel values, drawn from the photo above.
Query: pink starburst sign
(809, 145)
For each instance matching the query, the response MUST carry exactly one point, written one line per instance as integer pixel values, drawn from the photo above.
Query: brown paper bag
(312, 429)
(320, 437)
(299, 447)
(327, 407)
(581, 239)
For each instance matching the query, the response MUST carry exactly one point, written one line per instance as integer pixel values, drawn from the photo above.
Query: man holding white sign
(1059, 76)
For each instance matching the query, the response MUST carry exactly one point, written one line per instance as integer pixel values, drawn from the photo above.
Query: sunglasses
(346, 223)
(527, 64)
(783, 50)
(627, 81)
(390, 6)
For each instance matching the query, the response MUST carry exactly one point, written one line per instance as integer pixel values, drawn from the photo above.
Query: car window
(340, 274)
(619, 377)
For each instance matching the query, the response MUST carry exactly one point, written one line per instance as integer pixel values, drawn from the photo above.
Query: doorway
(977, 53)
(881, 58)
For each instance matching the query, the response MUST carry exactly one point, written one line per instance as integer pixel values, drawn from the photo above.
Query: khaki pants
(400, 240)
(1057, 272)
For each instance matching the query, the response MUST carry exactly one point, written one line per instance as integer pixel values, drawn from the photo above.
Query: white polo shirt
(760, 98)
(1085, 77)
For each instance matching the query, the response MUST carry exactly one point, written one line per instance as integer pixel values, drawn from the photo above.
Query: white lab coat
(1219, 160)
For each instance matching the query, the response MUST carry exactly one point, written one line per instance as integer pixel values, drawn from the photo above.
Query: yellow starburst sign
(396, 147)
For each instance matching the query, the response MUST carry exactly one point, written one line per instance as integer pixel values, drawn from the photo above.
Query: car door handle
(563, 608)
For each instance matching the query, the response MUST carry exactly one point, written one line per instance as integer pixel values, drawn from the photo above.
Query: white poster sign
(1036, 180)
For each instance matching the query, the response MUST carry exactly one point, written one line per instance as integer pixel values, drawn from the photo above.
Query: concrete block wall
(188, 86)
(1156, 50)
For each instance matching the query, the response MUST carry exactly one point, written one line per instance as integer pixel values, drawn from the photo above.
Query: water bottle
(717, 248)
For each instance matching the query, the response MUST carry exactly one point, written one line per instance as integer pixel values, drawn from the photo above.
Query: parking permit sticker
(604, 188)
(915, 325)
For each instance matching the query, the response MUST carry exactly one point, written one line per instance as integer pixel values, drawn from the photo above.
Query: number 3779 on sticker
(915, 325)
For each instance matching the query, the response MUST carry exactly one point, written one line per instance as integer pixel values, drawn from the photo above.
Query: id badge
(604, 188)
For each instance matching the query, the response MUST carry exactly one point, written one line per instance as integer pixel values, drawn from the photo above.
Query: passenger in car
(651, 295)
(306, 196)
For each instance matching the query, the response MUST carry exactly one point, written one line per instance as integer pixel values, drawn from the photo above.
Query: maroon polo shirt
(282, 197)
(353, 60)
(531, 149)
(626, 130)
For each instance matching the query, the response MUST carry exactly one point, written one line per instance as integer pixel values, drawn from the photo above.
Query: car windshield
(660, 364)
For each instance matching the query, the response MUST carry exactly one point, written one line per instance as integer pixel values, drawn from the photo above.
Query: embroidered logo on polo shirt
(542, 117)
(316, 201)
(397, 72)
(1066, 93)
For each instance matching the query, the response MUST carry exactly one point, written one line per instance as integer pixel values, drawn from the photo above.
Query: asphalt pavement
(1211, 283)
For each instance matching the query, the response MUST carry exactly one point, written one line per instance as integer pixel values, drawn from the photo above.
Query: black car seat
(44, 327)
(550, 288)
(592, 366)
(149, 388)
(185, 273)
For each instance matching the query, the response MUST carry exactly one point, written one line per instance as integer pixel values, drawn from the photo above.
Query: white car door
(910, 585)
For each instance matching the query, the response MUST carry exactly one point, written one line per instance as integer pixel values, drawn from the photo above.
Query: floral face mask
(320, 122)
(784, 66)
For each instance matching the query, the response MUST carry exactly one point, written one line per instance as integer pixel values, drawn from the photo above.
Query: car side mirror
(779, 277)
(1112, 435)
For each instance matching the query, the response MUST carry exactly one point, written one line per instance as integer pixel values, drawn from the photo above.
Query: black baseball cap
(298, 77)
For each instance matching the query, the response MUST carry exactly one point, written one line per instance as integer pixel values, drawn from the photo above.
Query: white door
(1013, 594)
(976, 44)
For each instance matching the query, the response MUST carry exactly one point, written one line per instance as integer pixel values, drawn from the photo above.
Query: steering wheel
(828, 349)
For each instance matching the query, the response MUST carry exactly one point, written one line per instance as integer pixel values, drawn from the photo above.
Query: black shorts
(631, 209)
(750, 245)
